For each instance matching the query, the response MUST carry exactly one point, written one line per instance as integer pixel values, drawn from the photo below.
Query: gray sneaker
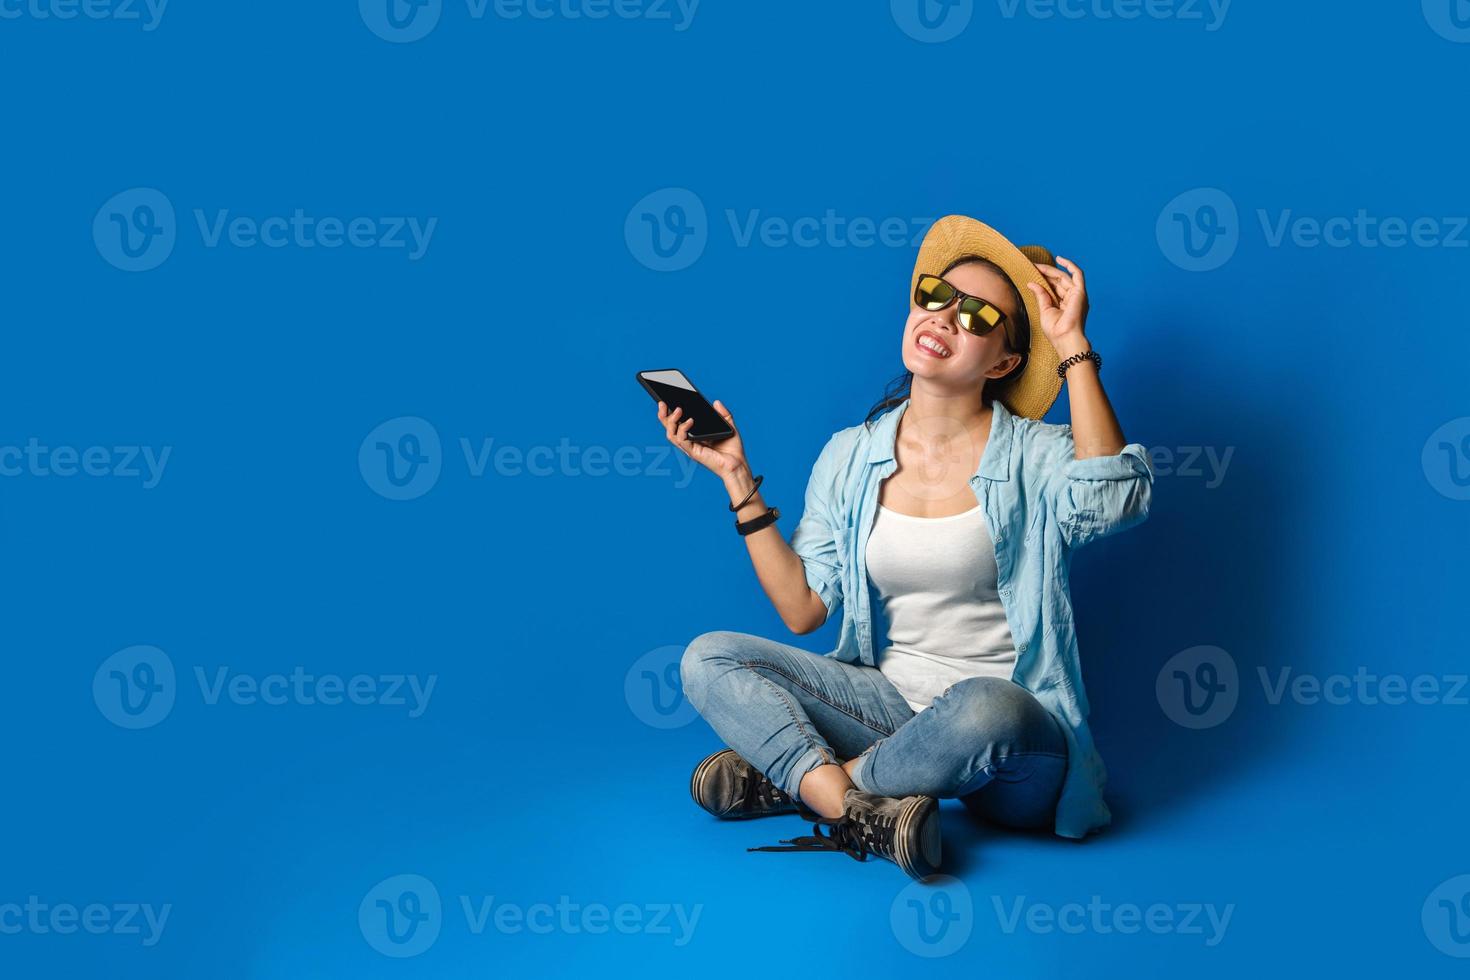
(730, 788)
(904, 831)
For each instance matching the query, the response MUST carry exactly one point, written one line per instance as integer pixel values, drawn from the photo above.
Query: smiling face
(942, 353)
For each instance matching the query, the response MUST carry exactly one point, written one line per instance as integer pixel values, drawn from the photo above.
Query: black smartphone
(672, 387)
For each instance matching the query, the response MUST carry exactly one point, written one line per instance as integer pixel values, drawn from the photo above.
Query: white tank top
(937, 580)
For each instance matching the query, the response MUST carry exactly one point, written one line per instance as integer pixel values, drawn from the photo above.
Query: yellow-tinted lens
(933, 293)
(979, 317)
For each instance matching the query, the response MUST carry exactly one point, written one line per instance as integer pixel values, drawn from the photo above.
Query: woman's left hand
(1063, 318)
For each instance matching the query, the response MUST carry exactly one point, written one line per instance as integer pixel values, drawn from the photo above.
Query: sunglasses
(976, 315)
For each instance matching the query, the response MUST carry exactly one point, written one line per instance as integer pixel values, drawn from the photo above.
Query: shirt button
(1005, 593)
(1022, 647)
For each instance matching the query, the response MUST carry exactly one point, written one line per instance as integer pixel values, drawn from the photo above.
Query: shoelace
(758, 790)
(851, 837)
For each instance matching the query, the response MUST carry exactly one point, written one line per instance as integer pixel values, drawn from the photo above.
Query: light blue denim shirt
(1039, 503)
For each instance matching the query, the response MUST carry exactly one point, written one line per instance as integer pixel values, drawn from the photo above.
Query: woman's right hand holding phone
(724, 458)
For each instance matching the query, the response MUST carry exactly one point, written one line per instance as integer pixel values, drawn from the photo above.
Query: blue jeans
(985, 741)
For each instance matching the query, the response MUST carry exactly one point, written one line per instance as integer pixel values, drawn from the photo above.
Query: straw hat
(1031, 391)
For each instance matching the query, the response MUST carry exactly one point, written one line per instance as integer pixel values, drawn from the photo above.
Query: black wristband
(1091, 355)
(754, 487)
(757, 523)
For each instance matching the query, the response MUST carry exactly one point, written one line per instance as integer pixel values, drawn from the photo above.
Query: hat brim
(1032, 391)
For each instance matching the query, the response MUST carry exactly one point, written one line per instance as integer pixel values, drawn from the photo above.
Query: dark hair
(898, 389)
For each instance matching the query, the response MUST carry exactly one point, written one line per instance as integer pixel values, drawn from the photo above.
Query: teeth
(934, 345)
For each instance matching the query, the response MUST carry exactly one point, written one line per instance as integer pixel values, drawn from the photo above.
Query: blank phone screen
(676, 391)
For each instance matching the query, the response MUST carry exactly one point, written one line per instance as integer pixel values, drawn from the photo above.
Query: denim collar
(995, 461)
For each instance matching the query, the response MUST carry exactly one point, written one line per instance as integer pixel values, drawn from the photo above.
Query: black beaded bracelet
(754, 487)
(1091, 355)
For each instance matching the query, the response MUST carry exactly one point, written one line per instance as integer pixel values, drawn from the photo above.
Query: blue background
(1328, 545)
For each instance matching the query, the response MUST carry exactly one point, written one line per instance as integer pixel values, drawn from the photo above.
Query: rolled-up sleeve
(816, 538)
(1101, 495)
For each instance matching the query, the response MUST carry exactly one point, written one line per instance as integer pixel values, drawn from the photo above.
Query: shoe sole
(918, 849)
(704, 767)
(699, 772)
